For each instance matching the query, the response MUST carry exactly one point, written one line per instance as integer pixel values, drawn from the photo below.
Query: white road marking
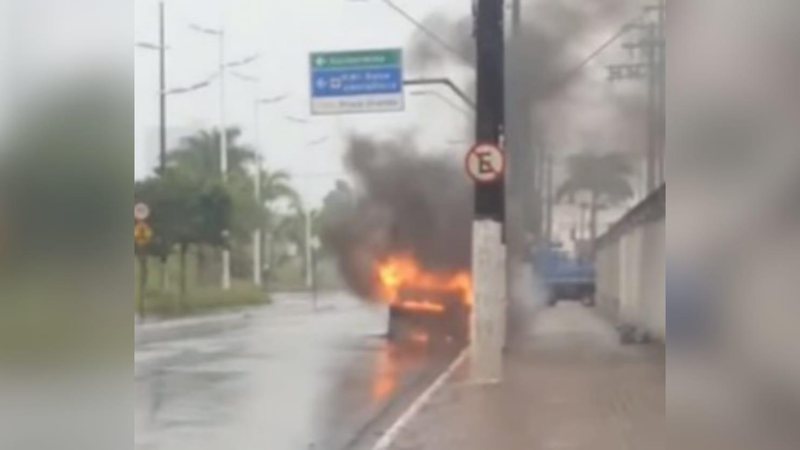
(391, 434)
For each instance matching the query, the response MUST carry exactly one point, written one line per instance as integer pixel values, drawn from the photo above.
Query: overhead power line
(569, 75)
(427, 31)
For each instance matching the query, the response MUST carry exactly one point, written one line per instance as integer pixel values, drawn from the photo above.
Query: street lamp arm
(296, 119)
(442, 81)
(318, 141)
(205, 30)
(243, 61)
(150, 46)
(193, 87)
(275, 99)
(244, 77)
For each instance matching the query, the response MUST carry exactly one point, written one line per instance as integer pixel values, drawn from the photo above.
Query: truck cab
(565, 277)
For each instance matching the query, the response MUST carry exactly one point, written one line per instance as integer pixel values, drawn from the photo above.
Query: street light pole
(223, 141)
(258, 234)
(315, 245)
(257, 246)
(223, 145)
(308, 248)
(161, 47)
(162, 138)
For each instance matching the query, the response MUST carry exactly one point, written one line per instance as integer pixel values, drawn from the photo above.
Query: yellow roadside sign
(142, 234)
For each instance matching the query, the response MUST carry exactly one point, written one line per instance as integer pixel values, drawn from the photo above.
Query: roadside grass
(203, 293)
(168, 303)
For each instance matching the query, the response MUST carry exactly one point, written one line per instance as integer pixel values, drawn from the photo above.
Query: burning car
(425, 305)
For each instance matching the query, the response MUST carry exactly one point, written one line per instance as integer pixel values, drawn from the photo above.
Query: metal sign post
(142, 235)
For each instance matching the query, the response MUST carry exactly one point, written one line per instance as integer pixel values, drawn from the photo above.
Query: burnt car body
(436, 316)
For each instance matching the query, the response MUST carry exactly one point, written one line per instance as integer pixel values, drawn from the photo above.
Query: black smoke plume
(403, 202)
(545, 95)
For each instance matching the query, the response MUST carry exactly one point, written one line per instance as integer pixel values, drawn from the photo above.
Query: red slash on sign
(485, 163)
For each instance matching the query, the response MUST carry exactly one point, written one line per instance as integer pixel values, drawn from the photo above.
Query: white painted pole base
(257, 257)
(489, 309)
(226, 269)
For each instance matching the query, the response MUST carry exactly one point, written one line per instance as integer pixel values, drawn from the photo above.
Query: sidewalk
(568, 385)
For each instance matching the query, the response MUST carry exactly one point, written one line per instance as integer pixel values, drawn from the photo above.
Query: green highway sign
(356, 59)
(357, 81)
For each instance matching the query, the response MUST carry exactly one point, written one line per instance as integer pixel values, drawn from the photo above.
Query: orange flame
(400, 272)
(423, 306)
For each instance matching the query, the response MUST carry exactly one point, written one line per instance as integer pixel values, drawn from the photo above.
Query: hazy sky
(284, 32)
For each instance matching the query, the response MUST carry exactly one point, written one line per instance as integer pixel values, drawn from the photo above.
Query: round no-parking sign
(485, 163)
(141, 211)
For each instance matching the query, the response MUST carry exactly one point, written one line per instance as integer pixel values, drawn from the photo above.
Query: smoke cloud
(406, 202)
(550, 106)
(403, 202)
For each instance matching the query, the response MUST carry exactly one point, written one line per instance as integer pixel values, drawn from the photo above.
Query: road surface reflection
(280, 377)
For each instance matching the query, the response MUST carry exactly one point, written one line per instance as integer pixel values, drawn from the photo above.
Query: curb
(389, 436)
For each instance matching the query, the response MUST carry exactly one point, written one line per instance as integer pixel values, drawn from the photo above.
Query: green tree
(604, 177)
(199, 154)
(277, 191)
(198, 157)
(276, 186)
(185, 211)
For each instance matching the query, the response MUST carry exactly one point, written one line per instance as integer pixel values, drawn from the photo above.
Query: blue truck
(564, 277)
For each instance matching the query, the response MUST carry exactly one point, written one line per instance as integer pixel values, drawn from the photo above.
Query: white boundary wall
(630, 264)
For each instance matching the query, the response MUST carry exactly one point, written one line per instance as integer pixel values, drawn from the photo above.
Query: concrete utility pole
(549, 198)
(652, 47)
(488, 246)
(660, 85)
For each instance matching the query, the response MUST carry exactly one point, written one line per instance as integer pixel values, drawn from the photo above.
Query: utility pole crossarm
(445, 82)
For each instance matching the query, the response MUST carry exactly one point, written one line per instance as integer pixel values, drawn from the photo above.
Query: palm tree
(197, 157)
(276, 187)
(604, 177)
(199, 154)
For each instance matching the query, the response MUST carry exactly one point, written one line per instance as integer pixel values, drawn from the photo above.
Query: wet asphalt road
(281, 377)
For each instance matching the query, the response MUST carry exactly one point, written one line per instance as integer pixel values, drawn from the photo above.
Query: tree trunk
(142, 284)
(184, 248)
(162, 279)
(270, 262)
(201, 265)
